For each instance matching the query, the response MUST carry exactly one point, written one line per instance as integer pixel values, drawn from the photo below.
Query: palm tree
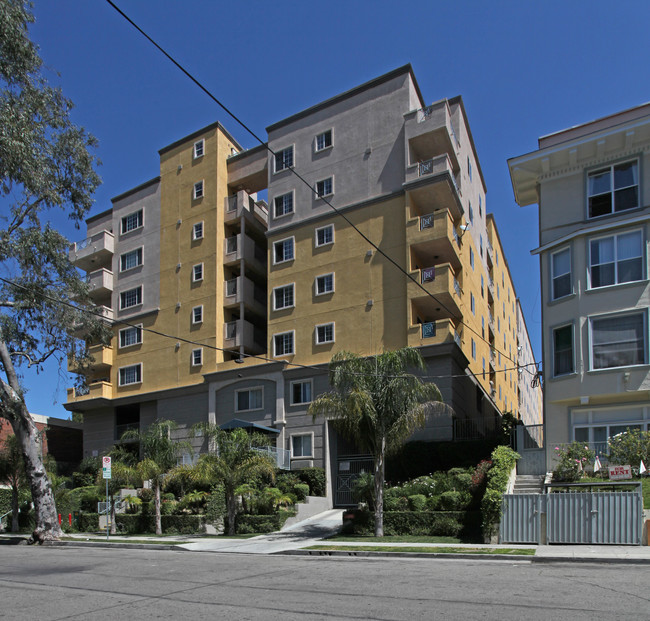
(159, 454)
(375, 403)
(12, 472)
(232, 463)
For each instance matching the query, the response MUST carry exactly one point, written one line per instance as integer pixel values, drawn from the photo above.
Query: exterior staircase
(528, 484)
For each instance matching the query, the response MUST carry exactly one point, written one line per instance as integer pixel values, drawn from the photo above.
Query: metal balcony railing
(426, 222)
(428, 329)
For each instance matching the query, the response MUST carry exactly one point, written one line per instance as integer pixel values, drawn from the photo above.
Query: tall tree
(44, 164)
(377, 404)
(12, 473)
(160, 453)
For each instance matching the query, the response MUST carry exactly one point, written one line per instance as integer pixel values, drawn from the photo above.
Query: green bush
(286, 481)
(438, 524)
(139, 523)
(5, 503)
(453, 501)
(630, 447)
(504, 460)
(424, 485)
(395, 503)
(247, 524)
(433, 503)
(315, 478)
(86, 474)
(215, 507)
(88, 522)
(301, 490)
(417, 502)
(571, 461)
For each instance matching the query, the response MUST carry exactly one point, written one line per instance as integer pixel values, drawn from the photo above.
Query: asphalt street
(52, 583)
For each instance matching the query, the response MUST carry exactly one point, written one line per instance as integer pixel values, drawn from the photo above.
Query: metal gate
(348, 470)
(528, 441)
(596, 517)
(520, 519)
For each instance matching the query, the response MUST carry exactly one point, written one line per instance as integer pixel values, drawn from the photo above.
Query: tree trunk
(156, 497)
(113, 527)
(14, 509)
(231, 501)
(379, 489)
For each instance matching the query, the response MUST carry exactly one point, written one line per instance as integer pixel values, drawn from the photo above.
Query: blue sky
(524, 69)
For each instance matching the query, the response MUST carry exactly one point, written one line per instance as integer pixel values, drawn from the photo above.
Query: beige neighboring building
(592, 185)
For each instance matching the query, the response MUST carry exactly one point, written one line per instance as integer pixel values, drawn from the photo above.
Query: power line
(301, 178)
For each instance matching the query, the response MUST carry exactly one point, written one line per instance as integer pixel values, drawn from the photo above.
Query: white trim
(141, 249)
(552, 276)
(316, 284)
(309, 381)
(616, 260)
(293, 339)
(278, 151)
(194, 278)
(611, 165)
(281, 241)
(571, 325)
(194, 321)
(324, 325)
(322, 228)
(288, 213)
(293, 295)
(123, 293)
(202, 223)
(130, 366)
(200, 363)
(119, 336)
(302, 435)
(201, 142)
(133, 213)
(325, 148)
(624, 313)
(198, 186)
(251, 388)
(331, 192)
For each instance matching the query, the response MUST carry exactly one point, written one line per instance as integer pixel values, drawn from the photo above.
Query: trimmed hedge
(247, 524)
(504, 460)
(315, 478)
(139, 523)
(5, 502)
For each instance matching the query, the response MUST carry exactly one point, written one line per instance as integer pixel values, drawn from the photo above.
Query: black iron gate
(348, 469)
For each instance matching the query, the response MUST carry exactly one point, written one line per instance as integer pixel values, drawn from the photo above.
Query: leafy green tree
(377, 404)
(12, 473)
(630, 447)
(160, 453)
(233, 462)
(45, 164)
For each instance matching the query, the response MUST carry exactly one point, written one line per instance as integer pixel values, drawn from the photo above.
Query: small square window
(197, 231)
(283, 205)
(283, 344)
(325, 235)
(301, 392)
(283, 297)
(199, 146)
(197, 314)
(325, 187)
(132, 221)
(284, 159)
(325, 334)
(324, 284)
(198, 190)
(283, 250)
(130, 298)
(130, 375)
(197, 272)
(131, 259)
(301, 446)
(197, 357)
(324, 140)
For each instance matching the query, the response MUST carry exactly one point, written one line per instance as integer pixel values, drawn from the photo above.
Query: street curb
(104, 544)
(436, 555)
(586, 559)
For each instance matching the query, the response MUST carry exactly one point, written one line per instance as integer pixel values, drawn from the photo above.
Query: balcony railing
(424, 114)
(428, 330)
(231, 330)
(280, 457)
(457, 288)
(426, 222)
(232, 243)
(231, 287)
(428, 274)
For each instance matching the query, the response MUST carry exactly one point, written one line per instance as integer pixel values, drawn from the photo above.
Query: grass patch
(395, 539)
(429, 550)
(160, 541)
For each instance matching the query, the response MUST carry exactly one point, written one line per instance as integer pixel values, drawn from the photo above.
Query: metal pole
(106, 509)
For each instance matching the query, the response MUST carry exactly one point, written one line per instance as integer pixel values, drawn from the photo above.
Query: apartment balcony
(96, 390)
(240, 247)
(249, 169)
(100, 283)
(102, 360)
(243, 203)
(432, 185)
(242, 333)
(432, 239)
(429, 132)
(489, 253)
(93, 252)
(244, 290)
(491, 323)
(444, 299)
(490, 289)
(104, 312)
(433, 333)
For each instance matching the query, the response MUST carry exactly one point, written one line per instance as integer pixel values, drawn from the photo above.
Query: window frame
(329, 179)
(554, 277)
(198, 190)
(139, 297)
(139, 251)
(139, 214)
(554, 330)
(293, 250)
(293, 343)
(199, 351)
(199, 145)
(302, 382)
(615, 235)
(291, 286)
(200, 224)
(316, 290)
(644, 335)
(249, 390)
(284, 214)
(323, 228)
(198, 308)
(194, 270)
(329, 324)
(612, 191)
(305, 434)
(121, 370)
(318, 149)
(278, 152)
(139, 331)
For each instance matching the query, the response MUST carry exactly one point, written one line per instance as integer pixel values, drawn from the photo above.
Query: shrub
(454, 501)
(630, 447)
(440, 524)
(286, 481)
(424, 485)
(395, 503)
(504, 460)
(215, 507)
(363, 489)
(572, 460)
(247, 524)
(88, 522)
(417, 502)
(5, 502)
(315, 478)
(301, 490)
(433, 503)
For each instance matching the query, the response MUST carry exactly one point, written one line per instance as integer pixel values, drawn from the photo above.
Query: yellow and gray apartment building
(231, 282)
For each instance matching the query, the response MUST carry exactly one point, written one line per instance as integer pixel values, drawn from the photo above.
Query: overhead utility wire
(122, 322)
(299, 176)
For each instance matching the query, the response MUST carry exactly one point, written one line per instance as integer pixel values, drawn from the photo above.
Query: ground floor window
(301, 445)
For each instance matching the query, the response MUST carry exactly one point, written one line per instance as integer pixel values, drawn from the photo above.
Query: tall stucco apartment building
(591, 183)
(250, 298)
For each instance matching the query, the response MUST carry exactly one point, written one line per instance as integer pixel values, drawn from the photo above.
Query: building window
(197, 231)
(131, 375)
(480, 245)
(301, 392)
(563, 350)
(324, 140)
(482, 285)
(284, 159)
(197, 272)
(473, 349)
(283, 250)
(471, 257)
(613, 189)
(283, 297)
(197, 357)
(249, 399)
(283, 205)
(618, 341)
(283, 344)
(480, 206)
(325, 187)
(325, 235)
(616, 259)
(472, 303)
(130, 336)
(199, 146)
(198, 189)
(561, 274)
(132, 297)
(197, 314)
(132, 221)
(324, 284)
(469, 169)
(301, 446)
(471, 212)
(325, 333)
(131, 259)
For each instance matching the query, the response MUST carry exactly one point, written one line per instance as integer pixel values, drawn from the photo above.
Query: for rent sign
(620, 472)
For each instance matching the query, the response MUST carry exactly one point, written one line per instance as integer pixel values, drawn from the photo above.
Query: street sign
(106, 467)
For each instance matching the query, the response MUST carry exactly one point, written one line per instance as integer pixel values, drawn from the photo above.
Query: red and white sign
(106, 467)
(620, 472)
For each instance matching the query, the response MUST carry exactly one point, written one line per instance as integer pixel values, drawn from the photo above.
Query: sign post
(106, 473)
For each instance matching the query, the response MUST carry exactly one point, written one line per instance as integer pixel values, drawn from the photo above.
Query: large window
(250, 399)
(132, 221)
(283, 297)
(283, 344)
(300, 392)
(130, 336)
(618, 340)
(132, 297)
(561, 274)
(324, 284)
(130, 259)
(283, 250)
(131, 375)
(284, 159)
(563, 350)
(301, 446)
(616, 259)
(283, 205)
(612, 189)
(596, 426)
